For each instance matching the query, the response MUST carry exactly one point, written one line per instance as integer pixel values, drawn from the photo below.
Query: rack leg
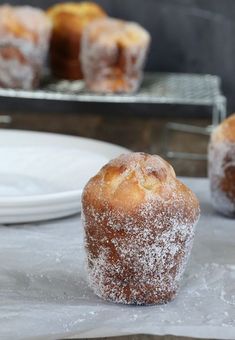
(219, 113)
(215, 114)
(223, 108)
(185, 129)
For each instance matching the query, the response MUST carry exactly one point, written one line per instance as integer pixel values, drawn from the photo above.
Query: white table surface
(44, 292)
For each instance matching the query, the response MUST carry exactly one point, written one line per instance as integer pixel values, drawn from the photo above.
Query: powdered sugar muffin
(222, 167)
(24, 42)
(113, 54)
(139, 227)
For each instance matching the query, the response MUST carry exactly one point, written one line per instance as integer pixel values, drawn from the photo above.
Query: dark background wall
(187, 35)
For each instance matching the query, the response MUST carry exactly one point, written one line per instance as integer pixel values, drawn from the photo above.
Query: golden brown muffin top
(24, 22)
(136, 178)
(74, 15)
(122, 33)
(225, 132)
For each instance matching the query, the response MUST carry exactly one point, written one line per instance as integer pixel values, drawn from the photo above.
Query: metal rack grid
(157, 88)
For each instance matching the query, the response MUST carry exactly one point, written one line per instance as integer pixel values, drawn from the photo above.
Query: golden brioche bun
(72, 16)
(139, 225)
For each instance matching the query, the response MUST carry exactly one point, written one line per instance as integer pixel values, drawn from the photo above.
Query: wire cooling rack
(157, 88)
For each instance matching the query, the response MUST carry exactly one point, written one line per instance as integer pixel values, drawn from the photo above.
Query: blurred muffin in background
(221, 167)
(69, 20)
(113, 55)
(24, 42)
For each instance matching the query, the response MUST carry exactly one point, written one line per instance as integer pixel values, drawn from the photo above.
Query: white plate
(42, 174)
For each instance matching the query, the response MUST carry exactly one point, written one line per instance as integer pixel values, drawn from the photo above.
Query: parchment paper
(44, 293)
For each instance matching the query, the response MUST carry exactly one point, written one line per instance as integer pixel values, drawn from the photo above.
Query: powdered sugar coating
(14, 74)
(137, 252)
(113, 54)
(222, 176)
(24, 41)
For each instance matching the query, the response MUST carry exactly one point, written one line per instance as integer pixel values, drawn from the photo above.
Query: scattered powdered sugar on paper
(42, 297)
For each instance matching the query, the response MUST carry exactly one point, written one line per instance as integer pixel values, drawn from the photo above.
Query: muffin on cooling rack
(24, 41)
(113, 55)
(69, 20)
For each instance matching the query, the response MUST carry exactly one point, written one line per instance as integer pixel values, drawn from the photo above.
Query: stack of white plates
(42, 175)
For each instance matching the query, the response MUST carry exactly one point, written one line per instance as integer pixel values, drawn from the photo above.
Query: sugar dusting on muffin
(24, 41)
(138, 238)
(113, 54)
(221, 157)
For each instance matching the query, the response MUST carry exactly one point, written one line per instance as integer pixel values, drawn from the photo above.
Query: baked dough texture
(69, 19)
(113, 54)
(24, 42)
(139, 222)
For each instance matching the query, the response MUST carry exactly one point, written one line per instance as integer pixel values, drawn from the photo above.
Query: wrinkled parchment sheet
(44, 292)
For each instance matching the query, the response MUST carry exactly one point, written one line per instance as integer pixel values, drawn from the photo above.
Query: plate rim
(21, 139)
(71, 138)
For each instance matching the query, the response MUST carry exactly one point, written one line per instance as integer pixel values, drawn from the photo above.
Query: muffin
(24, 41)
(69, 20)
(222, 167)
(139, 222)
(113, 54)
